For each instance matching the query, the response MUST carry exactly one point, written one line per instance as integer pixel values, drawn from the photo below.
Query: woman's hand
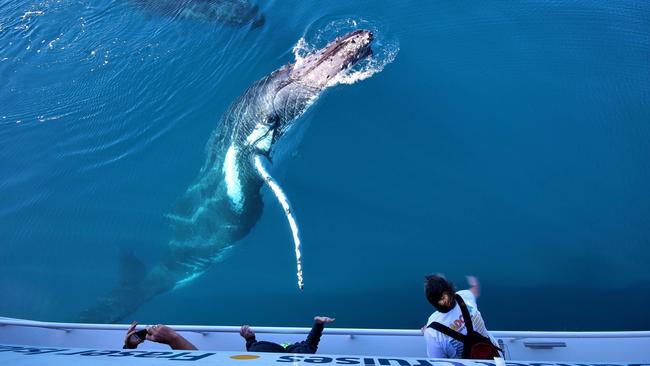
(131, 341)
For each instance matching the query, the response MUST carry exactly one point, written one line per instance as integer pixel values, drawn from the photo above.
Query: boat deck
(371, 347)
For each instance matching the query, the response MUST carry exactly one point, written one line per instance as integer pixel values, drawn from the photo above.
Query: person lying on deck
(310, 345)
(163, 334)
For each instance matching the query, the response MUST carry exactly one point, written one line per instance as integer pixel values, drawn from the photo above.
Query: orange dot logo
(244, 357)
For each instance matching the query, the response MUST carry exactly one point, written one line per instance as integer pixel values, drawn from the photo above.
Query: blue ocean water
(508, 140)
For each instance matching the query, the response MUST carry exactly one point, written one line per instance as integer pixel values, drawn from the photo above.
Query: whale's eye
(272, 119)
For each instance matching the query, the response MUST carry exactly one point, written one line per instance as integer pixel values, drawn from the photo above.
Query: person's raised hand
(472, 281)
(246, 332)
(131, 341)
(474, 286)
(323, 319)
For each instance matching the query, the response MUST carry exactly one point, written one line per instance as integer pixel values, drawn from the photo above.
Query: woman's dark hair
(434, 287)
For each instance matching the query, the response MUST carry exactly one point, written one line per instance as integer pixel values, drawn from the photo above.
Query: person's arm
(317, 329)
(474, 286)
(434, 348)
(131, 341)
(166, 335)
(248, 334)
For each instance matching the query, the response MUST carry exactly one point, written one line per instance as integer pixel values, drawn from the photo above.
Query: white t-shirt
(443, 346)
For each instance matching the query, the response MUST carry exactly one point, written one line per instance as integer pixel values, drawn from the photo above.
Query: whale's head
(318, 69)
(289, 91)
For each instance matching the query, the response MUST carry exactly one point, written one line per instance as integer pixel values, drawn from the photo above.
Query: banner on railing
(31, 355)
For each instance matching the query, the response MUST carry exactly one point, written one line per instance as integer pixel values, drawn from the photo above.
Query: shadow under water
(236, 13)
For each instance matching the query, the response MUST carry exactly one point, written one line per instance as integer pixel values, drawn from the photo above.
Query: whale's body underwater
(225, 201)
(234, 13)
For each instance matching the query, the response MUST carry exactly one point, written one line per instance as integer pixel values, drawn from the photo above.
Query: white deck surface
(546, 347)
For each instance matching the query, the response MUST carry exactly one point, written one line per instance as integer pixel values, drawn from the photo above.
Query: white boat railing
(333, 331)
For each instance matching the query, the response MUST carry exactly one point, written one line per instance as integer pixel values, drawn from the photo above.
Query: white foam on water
(30, 14)
(300, 50)
(364, 69)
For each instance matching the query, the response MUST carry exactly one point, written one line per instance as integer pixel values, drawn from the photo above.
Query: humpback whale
(234, 13)
(225, 200)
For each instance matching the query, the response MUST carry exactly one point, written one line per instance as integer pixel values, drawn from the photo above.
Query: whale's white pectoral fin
(260, 162)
